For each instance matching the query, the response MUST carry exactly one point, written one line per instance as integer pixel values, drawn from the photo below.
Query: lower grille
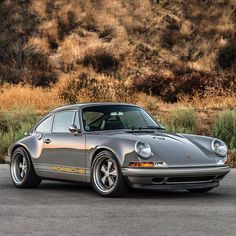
(190, 179)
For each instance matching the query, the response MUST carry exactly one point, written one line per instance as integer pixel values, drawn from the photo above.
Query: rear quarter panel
(32, 143)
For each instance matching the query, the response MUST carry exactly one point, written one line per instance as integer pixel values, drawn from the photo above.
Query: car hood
(176, 150)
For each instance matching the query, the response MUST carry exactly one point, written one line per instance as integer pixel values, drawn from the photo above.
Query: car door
(64, 152)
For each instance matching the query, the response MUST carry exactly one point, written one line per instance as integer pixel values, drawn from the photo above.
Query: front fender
(120, 147)
(203, 142)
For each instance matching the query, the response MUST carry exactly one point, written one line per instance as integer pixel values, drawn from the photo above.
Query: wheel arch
(22, 146)
(104, 148)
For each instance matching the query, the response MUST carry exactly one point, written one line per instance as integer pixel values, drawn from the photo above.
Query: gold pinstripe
(69, 169)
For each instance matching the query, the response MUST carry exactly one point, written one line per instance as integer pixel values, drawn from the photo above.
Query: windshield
(113, 117)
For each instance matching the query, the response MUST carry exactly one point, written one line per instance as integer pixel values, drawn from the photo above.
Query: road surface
(66, 209)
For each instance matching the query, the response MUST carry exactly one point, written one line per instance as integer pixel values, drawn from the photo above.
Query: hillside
(166, 48)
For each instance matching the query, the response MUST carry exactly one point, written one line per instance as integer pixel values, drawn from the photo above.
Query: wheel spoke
(103, 179)
(22, 174)
(113, 173)
(20, 165)
(109, 164)
(24, 162)
(110, 181)
(103, 169)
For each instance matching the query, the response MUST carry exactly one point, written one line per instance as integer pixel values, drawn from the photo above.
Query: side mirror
(73, 129)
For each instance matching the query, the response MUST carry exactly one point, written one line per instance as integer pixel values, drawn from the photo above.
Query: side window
(76, 122)
(45, 125)
(62, 121)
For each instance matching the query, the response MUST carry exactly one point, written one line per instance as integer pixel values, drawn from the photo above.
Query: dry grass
(38, 45)
(210, 101)
(49, 28)
(71, 50)
(19, 95)
(232, 158)
(79, 88)
(226, 22)
(38, 8)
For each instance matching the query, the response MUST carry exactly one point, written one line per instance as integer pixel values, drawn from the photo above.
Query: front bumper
(175, 178)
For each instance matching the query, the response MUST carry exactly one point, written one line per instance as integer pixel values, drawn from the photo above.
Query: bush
(232, 158)
(64, 28)
(15, 123)
(170, 88)
(182, 120)
(85, 88)
(227, 56)
(225, 127)
(102, 60)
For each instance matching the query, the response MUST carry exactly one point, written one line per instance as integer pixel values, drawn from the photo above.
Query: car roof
(81, 105)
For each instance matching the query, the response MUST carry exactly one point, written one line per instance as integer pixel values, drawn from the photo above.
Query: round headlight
(143, 149)
(219, 147)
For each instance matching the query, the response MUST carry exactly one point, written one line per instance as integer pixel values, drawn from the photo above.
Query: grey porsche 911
(114, 146)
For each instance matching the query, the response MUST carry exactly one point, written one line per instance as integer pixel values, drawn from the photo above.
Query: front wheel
(107, 178)
(200, 190)
(22, 171)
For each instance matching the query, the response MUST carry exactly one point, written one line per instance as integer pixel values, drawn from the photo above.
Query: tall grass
(21, 95)
(182, 120)
(13, 125)
(225, 127)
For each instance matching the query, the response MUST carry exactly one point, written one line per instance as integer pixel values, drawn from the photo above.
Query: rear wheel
(200, 190)
(107, 178)
(22, 171)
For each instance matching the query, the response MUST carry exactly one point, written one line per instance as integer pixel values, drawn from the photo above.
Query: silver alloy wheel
(105, 174)
(19, 168)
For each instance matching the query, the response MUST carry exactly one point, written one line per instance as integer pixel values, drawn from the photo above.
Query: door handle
(47, 140)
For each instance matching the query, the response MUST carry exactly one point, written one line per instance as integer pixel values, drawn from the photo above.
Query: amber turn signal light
(141, 164)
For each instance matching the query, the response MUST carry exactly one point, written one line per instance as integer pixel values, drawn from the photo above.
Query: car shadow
(64, 186)
(170, 194)
(86, 188)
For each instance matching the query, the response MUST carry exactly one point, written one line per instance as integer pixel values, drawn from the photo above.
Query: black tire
(200, 190)
(119, 187)
(29, 179)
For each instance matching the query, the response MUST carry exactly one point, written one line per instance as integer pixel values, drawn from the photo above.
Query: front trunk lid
(176, 151)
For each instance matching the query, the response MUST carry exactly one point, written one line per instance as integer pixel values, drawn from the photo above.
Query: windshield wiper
(149, 127)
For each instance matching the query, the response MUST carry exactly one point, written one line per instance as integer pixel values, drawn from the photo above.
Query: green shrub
(182, 120)
(225, 127)
(16, 122)
(18, 116)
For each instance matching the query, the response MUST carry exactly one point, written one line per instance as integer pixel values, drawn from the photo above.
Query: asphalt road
(65, 209)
